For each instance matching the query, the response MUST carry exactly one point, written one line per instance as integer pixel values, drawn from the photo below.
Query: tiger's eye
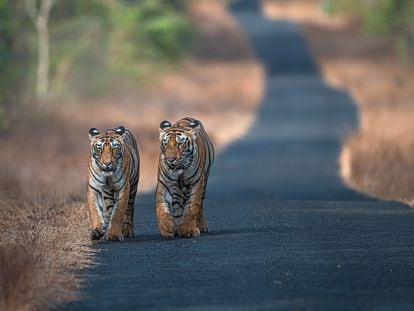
(180, 140)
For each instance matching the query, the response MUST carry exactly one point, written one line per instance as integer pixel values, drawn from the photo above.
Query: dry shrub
(41, 245)
(377, 159)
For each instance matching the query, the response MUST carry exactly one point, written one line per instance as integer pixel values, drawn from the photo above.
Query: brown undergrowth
(44, 226)
(41, 245)
(377, 159)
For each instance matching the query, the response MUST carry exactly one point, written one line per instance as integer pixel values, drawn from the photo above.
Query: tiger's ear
(165, 124)
(120, 130)
(194, 126)
(93, 132)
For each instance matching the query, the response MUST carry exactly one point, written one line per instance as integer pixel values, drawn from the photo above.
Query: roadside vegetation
(383, 18)
(366, 48)
(109, 63)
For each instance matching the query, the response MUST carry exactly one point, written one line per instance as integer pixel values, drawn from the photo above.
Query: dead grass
(43, 242)
(41, 245)
(377, 159)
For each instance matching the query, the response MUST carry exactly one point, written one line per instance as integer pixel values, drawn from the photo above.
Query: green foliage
(94, 45)
(6, 48)
(98, 45)
(12, 57)
(4, 120)
(150, 32)
(78, 53)
(392, 18)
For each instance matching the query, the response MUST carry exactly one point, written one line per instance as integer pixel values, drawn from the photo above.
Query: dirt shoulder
(377, 159)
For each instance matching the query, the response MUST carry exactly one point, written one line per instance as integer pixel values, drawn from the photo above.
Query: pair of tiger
(184, 165)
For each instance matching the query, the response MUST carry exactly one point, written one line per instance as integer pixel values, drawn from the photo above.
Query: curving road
(285, 232)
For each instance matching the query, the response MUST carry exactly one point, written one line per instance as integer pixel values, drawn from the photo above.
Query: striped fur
(112, 183)
(186, 157)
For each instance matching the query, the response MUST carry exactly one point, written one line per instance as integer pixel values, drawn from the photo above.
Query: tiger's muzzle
(107, 167)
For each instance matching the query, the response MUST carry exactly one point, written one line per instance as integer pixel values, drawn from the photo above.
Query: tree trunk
(39, 14)
(42, 86)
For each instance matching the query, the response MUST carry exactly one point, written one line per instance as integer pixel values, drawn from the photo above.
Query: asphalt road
(285, 232)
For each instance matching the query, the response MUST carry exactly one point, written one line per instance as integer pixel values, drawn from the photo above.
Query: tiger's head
(107, 148)
(178, 144)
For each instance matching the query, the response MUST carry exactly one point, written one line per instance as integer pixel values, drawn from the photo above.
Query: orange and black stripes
(112, 183)
(186, 157)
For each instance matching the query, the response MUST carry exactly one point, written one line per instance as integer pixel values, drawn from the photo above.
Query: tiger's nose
(170, 159)
(106, 166)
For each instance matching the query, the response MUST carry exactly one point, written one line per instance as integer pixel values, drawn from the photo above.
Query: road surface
(285, 231)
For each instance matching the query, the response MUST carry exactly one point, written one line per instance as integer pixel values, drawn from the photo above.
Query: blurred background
(68, 65)
(367, 49)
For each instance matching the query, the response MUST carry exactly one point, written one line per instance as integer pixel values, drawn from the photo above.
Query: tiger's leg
(163, 200)
(109, 203)
(128, 224)
(177, 206)
(114, 231)
(201, 221)
(188, 227)
(94, 203)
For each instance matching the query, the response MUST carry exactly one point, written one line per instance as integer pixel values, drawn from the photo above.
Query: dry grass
(377, 159)
(43, 242)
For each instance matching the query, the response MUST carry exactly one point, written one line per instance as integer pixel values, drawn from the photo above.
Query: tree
(39, 12)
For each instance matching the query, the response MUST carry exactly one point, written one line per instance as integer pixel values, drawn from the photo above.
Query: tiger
(112, 183)
(186, 157)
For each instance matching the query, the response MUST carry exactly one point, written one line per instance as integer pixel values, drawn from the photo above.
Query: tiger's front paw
(166, 226)
(202, 227)
(113, 235)
(186, 230)
(97, 233)
(128, 232)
